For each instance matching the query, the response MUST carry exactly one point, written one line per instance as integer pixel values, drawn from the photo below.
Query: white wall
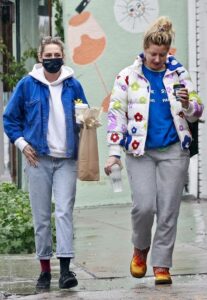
(201, 27)
(192, 67)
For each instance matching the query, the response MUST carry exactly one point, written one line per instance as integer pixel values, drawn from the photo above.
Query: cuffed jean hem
(45, 257)
(69, 255)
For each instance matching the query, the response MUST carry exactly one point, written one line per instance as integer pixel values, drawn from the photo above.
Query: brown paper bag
(88, 159)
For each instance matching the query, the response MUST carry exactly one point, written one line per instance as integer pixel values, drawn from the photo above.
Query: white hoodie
(56, 134)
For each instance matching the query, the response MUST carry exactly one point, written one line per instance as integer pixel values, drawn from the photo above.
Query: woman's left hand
(112, 160)
(183, 96)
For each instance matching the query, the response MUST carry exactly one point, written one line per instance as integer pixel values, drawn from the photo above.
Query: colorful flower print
(135, 86)
(194, 95)
(170, 76)
(181, 128)
(134, 130)
(128, 140)
(143, 100)
(168, 89)
(123, 87)
(126, 114)
(127, 80)
(186, 142)
(123, 128)
(141, 78)
(138, 117)
(117, 104)
(112, 121)
(135, 144)
(117, 77)
(114, 137)
(174, 62)
(122, 142)
(198, 110)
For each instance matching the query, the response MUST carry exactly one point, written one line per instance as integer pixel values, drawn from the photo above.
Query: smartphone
(177, 87)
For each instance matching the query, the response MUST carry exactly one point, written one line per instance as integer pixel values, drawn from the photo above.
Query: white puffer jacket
(129, 107)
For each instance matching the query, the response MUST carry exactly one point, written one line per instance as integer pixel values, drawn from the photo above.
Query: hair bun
(160, 32)
(163, 24)
(164, 27)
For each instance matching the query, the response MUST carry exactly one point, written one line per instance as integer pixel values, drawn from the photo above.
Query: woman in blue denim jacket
(40, 120)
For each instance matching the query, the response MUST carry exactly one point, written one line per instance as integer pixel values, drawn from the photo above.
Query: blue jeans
(56, 176)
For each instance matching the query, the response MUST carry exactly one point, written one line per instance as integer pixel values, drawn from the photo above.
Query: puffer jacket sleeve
(195, 109)
(117, 114)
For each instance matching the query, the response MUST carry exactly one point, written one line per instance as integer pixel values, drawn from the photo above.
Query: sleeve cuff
(189, 110)
(20, 143)
(115, 150)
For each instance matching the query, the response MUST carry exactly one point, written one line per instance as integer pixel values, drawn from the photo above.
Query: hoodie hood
(38, 73)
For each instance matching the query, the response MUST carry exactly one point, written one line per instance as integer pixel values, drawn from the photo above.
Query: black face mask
(52, 65)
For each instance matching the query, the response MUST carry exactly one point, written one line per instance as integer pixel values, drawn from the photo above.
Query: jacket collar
(172, 65)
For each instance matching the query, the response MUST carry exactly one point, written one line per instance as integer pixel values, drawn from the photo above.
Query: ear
(39, 57)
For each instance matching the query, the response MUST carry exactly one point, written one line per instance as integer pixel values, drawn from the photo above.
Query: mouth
(157, 66)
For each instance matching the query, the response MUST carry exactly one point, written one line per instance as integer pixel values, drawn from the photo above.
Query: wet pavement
(103, 253)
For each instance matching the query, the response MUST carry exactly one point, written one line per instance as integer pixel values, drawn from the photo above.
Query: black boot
(43, 282)
(67, 280)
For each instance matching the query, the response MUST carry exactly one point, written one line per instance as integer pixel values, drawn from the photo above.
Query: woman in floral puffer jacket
(150, 124)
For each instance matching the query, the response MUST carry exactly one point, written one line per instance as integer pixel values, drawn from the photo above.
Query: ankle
(143, 252)
(45, 265)
(64, 265)
(160, 270)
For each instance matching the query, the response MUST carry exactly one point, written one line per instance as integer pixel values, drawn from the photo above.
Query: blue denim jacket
(27, 114)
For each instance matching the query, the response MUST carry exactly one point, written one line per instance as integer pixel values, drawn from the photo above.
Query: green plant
(16, 228)
(14, 70)
(59, 18)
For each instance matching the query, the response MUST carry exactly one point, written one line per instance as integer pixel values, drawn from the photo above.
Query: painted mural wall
(101, 38)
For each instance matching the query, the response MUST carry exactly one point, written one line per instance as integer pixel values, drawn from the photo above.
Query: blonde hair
(47, 40)
(159, 33)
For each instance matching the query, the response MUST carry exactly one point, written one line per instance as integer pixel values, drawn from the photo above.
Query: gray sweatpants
(157, 180)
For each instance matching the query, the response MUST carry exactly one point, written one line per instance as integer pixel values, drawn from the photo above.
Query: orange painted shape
(105, 103)
(89, 50)
(79, 19)
(172, 51)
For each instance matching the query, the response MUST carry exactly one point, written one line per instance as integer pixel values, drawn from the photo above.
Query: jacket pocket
(32, 110)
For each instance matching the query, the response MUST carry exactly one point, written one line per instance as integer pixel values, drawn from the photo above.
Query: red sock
(45, 265)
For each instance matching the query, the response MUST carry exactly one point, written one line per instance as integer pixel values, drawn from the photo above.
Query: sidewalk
(103, 253)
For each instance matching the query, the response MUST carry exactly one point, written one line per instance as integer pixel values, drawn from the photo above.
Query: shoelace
(69, 273)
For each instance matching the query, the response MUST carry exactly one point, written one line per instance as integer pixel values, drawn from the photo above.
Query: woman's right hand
(112, 160)
(31, 155)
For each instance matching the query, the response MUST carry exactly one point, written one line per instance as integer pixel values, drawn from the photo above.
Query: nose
(157, 58)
